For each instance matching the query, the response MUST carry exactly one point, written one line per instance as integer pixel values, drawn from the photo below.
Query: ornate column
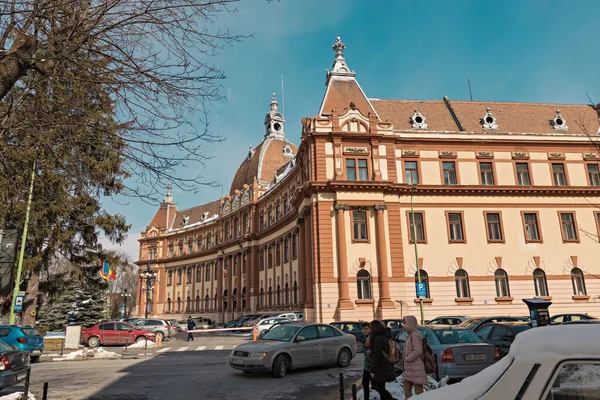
(202, 290)
(230, 284)
(301, 266)
(219, 273)
(211, 296)
(193, 296)
(342, 256)
(385, 300)
(239, 282)
(290, 293)
(310, 298)
(252, 285)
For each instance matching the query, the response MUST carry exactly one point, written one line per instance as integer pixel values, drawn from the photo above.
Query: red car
(114, 332)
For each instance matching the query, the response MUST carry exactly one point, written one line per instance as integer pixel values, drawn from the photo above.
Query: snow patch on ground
(84, 354)
(17, 396)
(396, 390)
(141, 345)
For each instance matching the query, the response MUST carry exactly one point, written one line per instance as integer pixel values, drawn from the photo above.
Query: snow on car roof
(559, 339)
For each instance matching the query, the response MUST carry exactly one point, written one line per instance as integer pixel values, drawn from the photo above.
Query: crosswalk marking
(200, 348)
(164, 349)
(219, 348)
(182, 348)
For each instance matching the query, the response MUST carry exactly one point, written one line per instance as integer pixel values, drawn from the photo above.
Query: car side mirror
(300, 339)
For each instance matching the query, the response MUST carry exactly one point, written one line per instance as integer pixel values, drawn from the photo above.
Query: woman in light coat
(414, 366)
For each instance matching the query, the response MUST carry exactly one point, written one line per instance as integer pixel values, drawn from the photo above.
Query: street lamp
(150, 278)
(414, 229)
(125, 295)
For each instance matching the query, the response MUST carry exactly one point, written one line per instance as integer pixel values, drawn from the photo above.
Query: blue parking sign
(421, 289)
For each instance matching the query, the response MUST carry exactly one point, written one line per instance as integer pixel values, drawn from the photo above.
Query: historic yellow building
(504, 196)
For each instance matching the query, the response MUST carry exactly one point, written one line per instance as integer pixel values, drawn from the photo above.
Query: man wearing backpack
(382, 369)
(414, 366)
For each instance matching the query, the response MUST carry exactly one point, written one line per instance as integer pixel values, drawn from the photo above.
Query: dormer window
(558, 122)
(488, 121)
(417, 121)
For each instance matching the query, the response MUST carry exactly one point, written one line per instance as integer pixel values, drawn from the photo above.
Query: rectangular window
(198, 273)
(411, 172)
(207, 273)
(523, 174)
(180, 249)
(262, 222)
(261, 260)
(597, 221)
(270, 218)
(286, 250)
(558, 174)
(593, 174)
(152, 253)
(285, 206)
(357, 169)
(171, 252)
(419, 225)
(277, 212)
(455, 227)
(235, 265)
(531, 225)
(294, 247)
(494, 227)
(568, 227)
(170, 278)
(487, 174)
(179, 276)
(278, 254)
(189, 275)
(208, 243)
(449, 170)
(190, 247)
(359, 226)
(199, 245)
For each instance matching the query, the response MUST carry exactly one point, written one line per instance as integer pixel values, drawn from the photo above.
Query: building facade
(501, 198)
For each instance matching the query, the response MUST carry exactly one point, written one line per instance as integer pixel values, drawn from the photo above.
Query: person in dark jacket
(382, 370)
(191, 325)
(366, 380)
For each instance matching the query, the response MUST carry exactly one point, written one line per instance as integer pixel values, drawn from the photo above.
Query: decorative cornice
(343, 207)
(380, 207)
(300, 221)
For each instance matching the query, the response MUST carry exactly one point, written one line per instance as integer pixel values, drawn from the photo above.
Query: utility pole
(150, 278)
(414, 229)
(22, 252)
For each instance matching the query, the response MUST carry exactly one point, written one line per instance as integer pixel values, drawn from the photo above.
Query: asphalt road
(191, 370)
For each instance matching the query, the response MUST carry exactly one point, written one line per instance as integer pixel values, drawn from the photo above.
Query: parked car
(254, 319)
(114, 333)
(458, 351)
(293, 316)
(130, 320)
(583, 322)
(25, 338)
(562, 318)
(203, 323)
(447, 320)
(474, 323)
(13, 365)
(293, 346)
(353, 328)
(162, 328)
(550, 363)
(267, 323)
(502, 335)
(394, 324)
(281, 322)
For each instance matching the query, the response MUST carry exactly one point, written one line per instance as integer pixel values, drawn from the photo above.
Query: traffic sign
(421, 290)
(19, 303)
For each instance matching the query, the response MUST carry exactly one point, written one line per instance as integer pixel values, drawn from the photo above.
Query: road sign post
(19, 303)
(421, 290)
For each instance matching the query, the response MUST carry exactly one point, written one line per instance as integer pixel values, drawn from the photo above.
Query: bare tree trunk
(16, 62)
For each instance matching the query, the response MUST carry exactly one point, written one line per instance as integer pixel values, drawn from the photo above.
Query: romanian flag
(107, 273)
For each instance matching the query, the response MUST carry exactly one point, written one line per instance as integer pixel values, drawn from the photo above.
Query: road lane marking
(200, 348)
(182, 349)
(164, 349)
(219, 348)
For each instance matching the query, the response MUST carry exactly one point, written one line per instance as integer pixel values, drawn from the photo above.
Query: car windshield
(452, 336)
(30, 331)
(521, 328)
(470, 323)
(282, 333)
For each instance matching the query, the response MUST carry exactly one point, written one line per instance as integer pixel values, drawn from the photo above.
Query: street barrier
(242, 328)
(255, 333)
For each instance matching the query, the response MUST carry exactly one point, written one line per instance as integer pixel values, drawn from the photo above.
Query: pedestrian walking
(382, 370)
(414, 366)
(366, 379)
(190, 325)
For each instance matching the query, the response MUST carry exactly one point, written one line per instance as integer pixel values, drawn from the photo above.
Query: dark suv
(353, 328)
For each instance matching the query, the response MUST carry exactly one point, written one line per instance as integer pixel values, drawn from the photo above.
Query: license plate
(475, 357)
(237, 361)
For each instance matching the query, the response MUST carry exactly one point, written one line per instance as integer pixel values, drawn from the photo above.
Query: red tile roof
(339, 95)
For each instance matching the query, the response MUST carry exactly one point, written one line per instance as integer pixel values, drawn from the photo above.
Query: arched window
(169, 304)
(227, 230)
(225, 300)
(287, 294)
(539, 281)
(270, 296)
(363, 285)
(207, 303)
(197, 302)
(278, 295)
(425, 280)
(578, 282)
(178, 304)
(246, 223)
(244, 298)
(295, 293)
(501, 278)
(188, 304)
(262, 297)
(234, 299)
(149, 306)
(462, 284)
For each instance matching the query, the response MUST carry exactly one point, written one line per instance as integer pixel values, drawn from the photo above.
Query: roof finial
(169, 196)
(340, 68)
(274, 104)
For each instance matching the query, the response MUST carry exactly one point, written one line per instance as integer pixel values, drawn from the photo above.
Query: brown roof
(160, 218)
(266, 159)
(195, 213)
(398, 112)
(339, 95)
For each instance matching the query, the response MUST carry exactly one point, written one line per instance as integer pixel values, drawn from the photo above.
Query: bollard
(45, 391)
(146, 345)
(26, 389)
(436, 373)
(354, 391)
(126, 342)
(341, 386)
(62, 346)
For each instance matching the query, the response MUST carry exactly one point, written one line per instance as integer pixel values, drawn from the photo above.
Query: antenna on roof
(470, 92)
(282, 98)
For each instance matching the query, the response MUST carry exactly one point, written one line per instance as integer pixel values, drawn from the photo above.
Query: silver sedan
(295, 346)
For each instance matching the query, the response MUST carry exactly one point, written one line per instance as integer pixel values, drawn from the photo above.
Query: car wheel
(280, 366)
(160, 336)
(94, 341)
(35, 359)
(344, 358)
(360, 346)
(140, 339)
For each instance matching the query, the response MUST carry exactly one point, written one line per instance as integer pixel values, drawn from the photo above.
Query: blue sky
(529, 51)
